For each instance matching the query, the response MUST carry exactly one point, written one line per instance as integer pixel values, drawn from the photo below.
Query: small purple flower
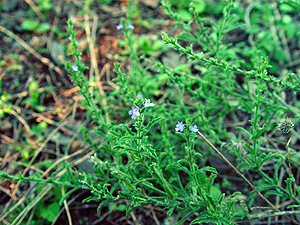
(74, 68)
(148, 104)
(194, 128)
(139, 95)
(119, 26)
(130, 26)
(179, 126)
(134, 112)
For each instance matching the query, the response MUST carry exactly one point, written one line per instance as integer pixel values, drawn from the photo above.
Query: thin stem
(295, 186)
(287, 149)
(244, 178)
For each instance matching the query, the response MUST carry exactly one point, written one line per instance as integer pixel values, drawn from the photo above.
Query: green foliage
(144, 158)
(183, 6)
(45, 5)
(50, 212)
(153, 162)
(29, 25)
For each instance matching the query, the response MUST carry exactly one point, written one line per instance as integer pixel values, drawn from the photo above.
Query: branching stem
(244, 178)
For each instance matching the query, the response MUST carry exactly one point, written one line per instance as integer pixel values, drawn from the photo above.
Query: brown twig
(91, 35)
(44, 60)
(66, 207)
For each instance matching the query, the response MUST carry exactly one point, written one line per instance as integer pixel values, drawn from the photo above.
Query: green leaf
(185, 37)
(245, 131)
(130, 138)
(216, 192)
(233, 27)
(259, 132)
(30, 25)
(125, 127)
(177, 166)
(276, 169)
(103, 203)
(208, 169)
(50, 212)
(203, 219)
(170, 211)
(276, 193)
(115, 134)
(185, 217)
(200, 5)
(150, 124)
(289, 185)
(185, 15)
(209, 182)
(67, 195)
(44, 28)
(268, 157)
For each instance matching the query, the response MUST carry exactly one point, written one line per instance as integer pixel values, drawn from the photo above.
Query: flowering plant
(179, 135)
(151, 151)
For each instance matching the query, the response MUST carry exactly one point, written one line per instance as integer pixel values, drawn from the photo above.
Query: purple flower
(119, 26)
(148, 104)
(130, 26)
(194, 128)
(139, 95)
(179, 126)
(74, 68)
(134, 112)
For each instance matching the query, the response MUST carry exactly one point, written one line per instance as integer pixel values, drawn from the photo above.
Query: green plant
(29, 25)
(151, 149)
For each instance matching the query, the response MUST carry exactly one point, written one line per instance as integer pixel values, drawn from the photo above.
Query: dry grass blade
(44, 60)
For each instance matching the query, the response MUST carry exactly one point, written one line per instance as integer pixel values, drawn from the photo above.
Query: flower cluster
(180, 126)
(74, 68)
(139, 95)
(120, 26)
(134, 112)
